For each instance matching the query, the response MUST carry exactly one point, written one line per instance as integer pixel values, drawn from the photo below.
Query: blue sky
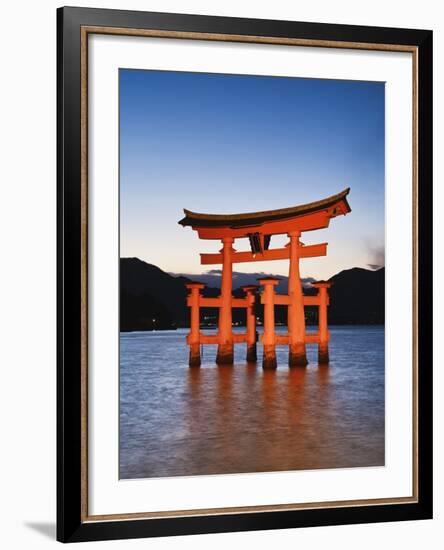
(233, 143)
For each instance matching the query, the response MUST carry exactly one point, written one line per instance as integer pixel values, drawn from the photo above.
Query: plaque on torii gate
(258, 228)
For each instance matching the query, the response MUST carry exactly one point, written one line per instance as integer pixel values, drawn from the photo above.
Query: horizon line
(212, 271)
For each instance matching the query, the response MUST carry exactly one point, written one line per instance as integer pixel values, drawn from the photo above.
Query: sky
(234, 143)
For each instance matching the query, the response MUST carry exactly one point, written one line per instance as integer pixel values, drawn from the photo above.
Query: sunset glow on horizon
(232, 143)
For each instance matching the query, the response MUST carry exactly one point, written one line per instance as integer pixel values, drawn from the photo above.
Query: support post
(250, 291)
(324, 336)
(269, 335)
(194, 335)
(225, 344)
(296, 318)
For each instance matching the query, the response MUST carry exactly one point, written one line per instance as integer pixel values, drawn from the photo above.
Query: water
(177, 421)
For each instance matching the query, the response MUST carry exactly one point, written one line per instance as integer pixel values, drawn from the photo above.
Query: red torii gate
(258, 227)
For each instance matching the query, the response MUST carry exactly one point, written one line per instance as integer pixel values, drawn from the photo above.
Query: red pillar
(296, 317)
(251, 323)
(269, 335)
(324, 335)
(225, 347)
(194, 335)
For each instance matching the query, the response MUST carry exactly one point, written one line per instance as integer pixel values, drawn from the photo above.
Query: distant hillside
(213, 278)
(153, 299)
(357, 296)
(150, 298)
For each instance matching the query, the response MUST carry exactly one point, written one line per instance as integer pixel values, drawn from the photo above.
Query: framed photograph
(244, 274)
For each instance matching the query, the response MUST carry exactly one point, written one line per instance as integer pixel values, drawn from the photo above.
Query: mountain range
(213, 277)
(153, 299)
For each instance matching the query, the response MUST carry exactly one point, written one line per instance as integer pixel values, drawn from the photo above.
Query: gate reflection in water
(182, 421)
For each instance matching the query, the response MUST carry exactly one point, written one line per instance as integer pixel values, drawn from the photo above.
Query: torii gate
(258, 227)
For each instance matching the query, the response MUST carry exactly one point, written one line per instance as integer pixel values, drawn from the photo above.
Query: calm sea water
(177, 421)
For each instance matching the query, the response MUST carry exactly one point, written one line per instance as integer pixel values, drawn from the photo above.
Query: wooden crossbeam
(216, 302)
(313, 301)
(281, 339)
(279, 300)
(310, 338)
(209, 302)
(240, 338)
(239, 302)
(312, 250)
(284, 300)
(309, 251)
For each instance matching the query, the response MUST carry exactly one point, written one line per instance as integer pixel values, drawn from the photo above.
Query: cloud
(376, 254)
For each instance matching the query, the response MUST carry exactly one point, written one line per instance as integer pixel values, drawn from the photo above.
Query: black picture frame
(71, 524)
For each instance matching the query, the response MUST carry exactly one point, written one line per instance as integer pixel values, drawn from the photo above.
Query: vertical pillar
(296, 317)
(251, 323)
(269, 335)
(324, 336)
(225, 344)
(194, 335)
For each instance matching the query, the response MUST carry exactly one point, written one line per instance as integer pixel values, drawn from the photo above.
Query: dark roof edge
(253, 218)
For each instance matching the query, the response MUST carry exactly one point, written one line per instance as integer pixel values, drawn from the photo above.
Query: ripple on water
(177, 421)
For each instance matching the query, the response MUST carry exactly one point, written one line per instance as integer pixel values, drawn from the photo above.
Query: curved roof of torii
(234, 221)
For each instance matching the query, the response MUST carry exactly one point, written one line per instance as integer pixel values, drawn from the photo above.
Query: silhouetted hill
(213, 278)
(357, 296)
(150, 298)
(153, 299)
